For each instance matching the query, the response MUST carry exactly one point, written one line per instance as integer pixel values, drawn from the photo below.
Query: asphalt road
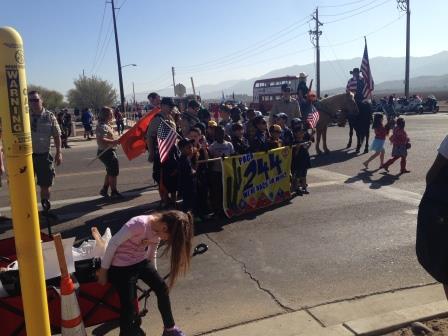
(352, 236)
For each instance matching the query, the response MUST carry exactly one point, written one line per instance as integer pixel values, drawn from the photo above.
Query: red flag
(133, 141)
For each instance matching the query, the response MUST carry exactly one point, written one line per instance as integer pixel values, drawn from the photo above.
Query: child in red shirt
(400, 147)
(377, 146)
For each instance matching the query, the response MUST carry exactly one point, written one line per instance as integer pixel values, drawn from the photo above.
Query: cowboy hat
(354, 70)
(303, 75)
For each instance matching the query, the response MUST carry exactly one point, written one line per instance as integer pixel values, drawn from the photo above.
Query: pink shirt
(132, 244)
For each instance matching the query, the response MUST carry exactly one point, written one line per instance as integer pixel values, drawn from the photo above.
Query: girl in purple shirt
(131, 255)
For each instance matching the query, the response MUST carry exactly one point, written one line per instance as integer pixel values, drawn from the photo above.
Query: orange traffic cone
(71, 320)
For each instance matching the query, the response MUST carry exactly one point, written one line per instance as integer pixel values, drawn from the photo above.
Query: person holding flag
(362, 88)
(164, 116)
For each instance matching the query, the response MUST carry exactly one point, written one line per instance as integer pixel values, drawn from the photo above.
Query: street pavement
(352, 237)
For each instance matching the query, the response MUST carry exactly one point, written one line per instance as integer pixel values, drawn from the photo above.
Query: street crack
(251, 276)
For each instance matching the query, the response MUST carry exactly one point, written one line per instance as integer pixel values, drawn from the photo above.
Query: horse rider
(356, 85)
(302, 88)
(286, 104)
(362, 122)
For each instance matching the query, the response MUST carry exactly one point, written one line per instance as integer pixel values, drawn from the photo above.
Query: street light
(121, 92)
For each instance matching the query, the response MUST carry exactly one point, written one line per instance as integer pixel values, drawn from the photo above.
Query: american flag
(313, 117)
(166, 138)
(366, 74)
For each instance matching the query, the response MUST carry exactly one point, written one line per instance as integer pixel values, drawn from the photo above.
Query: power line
(244, 57)
(122, 4)
(361, 12)
(362, 36)
(283, 32)
(351, 10)
(99, 37)
(343, 5)
(104, 48)
(255, 63)
(336, 57)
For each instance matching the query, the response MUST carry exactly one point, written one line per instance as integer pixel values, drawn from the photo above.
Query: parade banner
(256, 180)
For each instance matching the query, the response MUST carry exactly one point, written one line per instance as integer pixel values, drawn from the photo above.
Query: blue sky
(211, 40)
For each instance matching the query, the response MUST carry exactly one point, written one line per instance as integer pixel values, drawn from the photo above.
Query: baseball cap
(212, 123)
(167, 101)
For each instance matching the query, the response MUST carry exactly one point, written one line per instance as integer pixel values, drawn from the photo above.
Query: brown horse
(339, 106)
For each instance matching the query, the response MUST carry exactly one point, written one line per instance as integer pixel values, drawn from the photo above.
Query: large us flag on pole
(166, 138)
(366, 74)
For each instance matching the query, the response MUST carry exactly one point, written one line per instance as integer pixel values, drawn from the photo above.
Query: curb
(384, 323)
(306, 323)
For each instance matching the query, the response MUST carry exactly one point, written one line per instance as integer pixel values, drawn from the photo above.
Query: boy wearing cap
(190, 117)
(286, 136)
(287, 105)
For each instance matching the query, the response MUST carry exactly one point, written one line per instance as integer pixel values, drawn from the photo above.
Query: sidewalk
(371, 315)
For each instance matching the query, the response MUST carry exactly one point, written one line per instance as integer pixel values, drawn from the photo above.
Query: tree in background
(91, 92)
(52, 99)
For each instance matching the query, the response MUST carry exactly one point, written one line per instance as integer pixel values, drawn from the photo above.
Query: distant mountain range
(427, 73)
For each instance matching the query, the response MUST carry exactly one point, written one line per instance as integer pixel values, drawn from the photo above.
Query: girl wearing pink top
(400, 147)
(131, 255)
(377, 146)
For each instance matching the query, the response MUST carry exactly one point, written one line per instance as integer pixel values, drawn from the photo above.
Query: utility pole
(117, 47)
(404, 6)
(192, 85)
(174, 82)
(314, 35)
(133, 92)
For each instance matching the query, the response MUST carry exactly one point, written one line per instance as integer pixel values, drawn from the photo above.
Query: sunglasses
(34, 100)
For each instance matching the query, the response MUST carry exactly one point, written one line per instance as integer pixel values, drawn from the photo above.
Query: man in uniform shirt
(286, 104)
(44, 125)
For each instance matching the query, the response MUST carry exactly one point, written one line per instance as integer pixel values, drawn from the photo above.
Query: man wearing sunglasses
(44, 125)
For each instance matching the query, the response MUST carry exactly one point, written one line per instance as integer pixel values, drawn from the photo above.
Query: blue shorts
(377, 145)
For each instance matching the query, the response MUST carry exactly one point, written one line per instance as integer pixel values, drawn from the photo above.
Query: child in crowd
(218, 148)
(301, 161)
(210, 132)
(259, 142)
(275, 131)
(249, 128)
(377, 146)
(286, 136)
(225, 121)
(240, 144)
(187, 182)
(202, 171)
(131, 255)
(400, 147)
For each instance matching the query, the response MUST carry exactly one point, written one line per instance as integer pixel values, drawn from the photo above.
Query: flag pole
(100, 154)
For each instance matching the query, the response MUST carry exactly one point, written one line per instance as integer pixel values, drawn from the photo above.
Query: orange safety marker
(71, 319)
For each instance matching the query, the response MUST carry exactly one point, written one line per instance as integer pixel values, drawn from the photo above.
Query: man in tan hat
(302, 88)
(286, 104)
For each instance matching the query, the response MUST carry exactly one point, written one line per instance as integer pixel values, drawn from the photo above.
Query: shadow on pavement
(217, 224)
(366, 177)
(114, 220)
(336, 156)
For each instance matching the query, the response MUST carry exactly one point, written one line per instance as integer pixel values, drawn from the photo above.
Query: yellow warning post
(17, 148)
